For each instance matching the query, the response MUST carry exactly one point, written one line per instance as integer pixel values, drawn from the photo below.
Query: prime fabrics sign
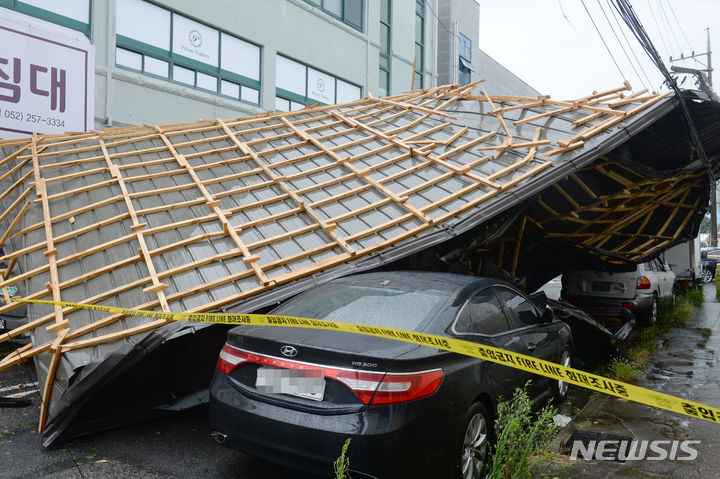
(46, 79)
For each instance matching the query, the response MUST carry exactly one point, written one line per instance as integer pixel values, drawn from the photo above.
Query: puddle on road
(682, 367)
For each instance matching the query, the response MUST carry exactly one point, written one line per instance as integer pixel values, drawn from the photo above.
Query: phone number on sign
(30, 118)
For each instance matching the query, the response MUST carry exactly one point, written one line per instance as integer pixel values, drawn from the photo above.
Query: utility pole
(713, 187)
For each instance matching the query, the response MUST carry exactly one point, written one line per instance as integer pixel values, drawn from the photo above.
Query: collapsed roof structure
(238, 215)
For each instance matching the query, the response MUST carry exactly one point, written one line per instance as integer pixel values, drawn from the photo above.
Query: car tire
(708, 275)
(560, 388)
(475, 442)
(650, 318)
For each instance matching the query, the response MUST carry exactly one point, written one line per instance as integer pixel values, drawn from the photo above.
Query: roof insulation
(241, 213)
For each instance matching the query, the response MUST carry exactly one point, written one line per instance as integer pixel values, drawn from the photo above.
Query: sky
(554, 47)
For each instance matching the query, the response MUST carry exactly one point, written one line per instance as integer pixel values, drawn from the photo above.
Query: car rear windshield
(368, 305)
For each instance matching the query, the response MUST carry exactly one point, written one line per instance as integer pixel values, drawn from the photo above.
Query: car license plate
(601, 286)
(2, 324)
(295, 382)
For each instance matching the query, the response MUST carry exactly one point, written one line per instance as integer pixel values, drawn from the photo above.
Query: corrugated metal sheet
(240, 213)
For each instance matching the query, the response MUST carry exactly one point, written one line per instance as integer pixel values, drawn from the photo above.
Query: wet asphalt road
(175, 446)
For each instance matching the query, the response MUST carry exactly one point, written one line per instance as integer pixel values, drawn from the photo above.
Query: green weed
(521, 438)
(624, 369)
(342, 463)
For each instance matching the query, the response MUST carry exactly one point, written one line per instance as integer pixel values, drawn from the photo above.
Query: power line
(679, 25)
(603, 40)
(628, 15)
(622, 30)
(667, 21)
(440, 21)
(565, 16)
(672, 10)
(667, 50)
(621, 45)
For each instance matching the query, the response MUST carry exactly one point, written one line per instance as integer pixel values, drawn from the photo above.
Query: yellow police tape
(468, 348)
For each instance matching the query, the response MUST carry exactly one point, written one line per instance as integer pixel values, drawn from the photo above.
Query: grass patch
(676, 315)
(696, 296)
(624, 369)
(522, 438)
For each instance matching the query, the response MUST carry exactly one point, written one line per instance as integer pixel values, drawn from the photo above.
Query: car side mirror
(539, 299)
(547, 315)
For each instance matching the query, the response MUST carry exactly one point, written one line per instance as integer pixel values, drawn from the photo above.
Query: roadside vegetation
(342, 463)
(630, 366)
(522, 438)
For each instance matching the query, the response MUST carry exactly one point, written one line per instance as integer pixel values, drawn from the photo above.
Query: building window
(299, 85)
(419, 42)
(348, 11)
(465, 60)
(162, 43)
(385, 20)
(73, 14)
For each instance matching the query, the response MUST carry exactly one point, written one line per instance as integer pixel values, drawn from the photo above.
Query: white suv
(604, 294)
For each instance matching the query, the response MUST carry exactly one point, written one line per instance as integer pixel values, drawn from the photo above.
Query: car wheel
(475, 442)
(707, 275)
(561, 387)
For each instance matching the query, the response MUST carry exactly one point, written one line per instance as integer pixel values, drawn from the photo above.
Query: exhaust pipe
(218, 437)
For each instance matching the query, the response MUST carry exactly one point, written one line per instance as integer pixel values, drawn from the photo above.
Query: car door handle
(532, 347)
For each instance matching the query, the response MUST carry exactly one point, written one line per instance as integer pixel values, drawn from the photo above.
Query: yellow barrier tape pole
(460, 346)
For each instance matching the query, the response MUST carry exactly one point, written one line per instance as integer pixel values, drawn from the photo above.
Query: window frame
(461, 310)
(176, 59)
(464, 74)
(52, 17)
(306, 100)
(511, 317)
(387, 55)
(420, 42)
(321, 5)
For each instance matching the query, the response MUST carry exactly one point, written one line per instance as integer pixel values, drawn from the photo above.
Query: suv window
(482, 314)
(521, 312)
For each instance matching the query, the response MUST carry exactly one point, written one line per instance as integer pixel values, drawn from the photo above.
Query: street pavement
(685, 364)
(177, 445)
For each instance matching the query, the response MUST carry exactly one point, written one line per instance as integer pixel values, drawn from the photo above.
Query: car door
(541, 338)
(483, 320)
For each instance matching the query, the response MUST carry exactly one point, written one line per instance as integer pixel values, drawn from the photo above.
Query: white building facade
(178, 61)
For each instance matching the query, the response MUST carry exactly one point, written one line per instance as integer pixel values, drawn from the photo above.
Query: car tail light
(571, 300)
(643, 283)
(628, 305)
(230, 358)
(388, 388)
(368, 387)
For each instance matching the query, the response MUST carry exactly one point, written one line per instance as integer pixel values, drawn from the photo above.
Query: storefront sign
(46, 80)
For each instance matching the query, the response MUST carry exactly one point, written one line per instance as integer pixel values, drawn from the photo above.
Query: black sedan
(295, 395)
